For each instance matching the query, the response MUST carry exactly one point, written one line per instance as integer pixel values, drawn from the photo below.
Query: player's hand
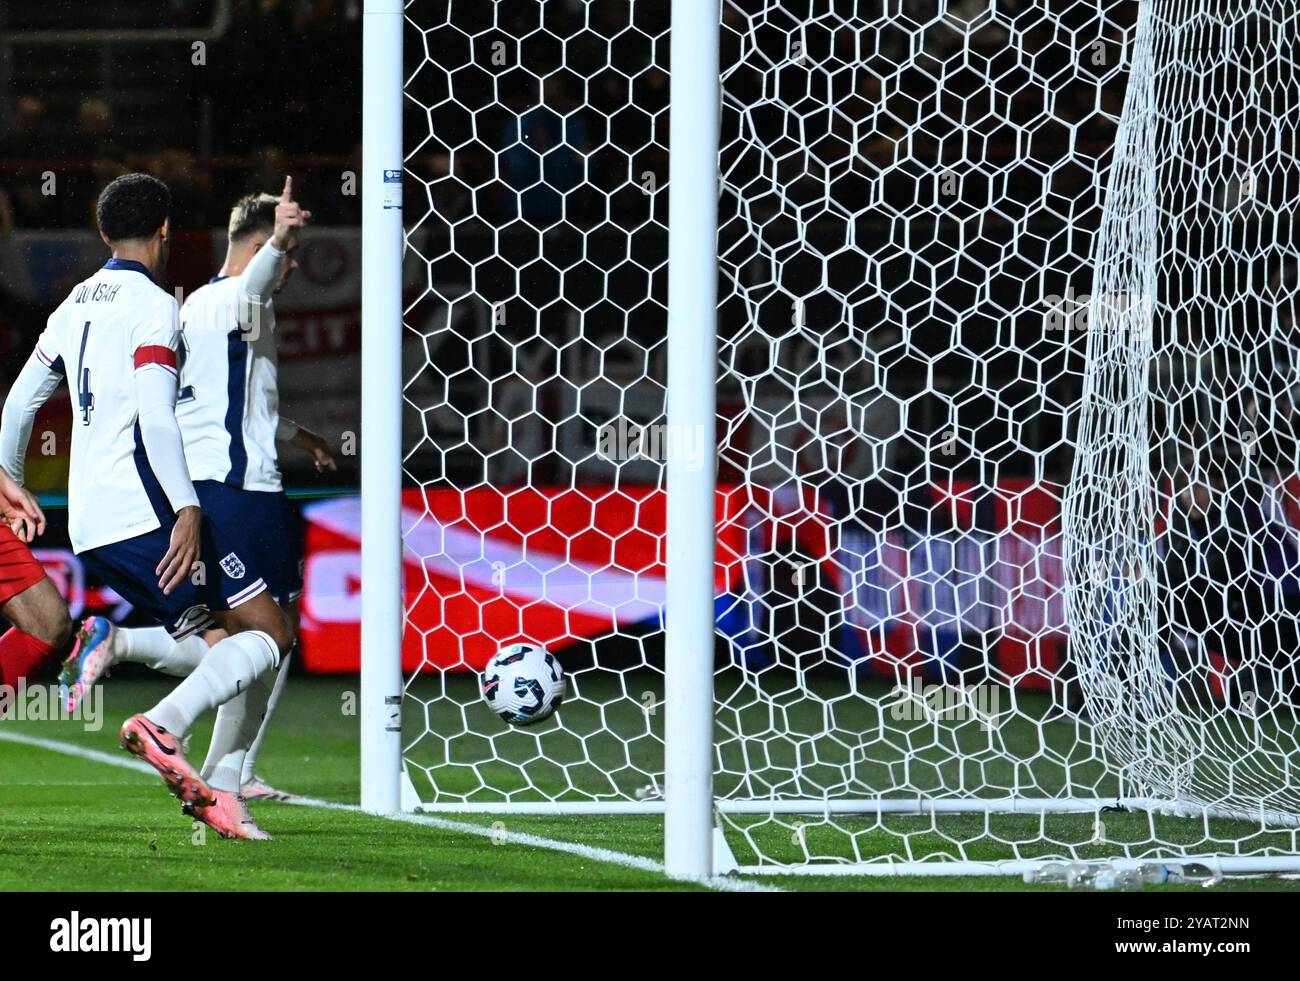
(183, 551)
(19, 509)
(305, 439)
(289, 218)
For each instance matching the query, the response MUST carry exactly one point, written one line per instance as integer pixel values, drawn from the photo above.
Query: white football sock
(154, 647)
(250, 758)
(238, 722)
(229, 668)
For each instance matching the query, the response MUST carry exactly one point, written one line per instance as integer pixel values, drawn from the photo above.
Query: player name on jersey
(91, 292)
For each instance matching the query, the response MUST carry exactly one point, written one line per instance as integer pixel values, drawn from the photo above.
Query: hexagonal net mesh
(1007, 495)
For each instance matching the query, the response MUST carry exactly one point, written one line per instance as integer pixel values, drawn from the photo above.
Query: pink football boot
(162, 751)
(228, 817)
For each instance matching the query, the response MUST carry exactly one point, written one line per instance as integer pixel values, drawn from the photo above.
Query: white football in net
(523, 683)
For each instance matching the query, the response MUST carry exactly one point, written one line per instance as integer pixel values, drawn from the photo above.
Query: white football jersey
(112, 324)
(228, 406)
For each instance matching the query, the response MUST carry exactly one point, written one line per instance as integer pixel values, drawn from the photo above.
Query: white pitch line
(72, 749)
(605, 855)
(722, 883)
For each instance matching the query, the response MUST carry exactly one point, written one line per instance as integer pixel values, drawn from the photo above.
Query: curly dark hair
(133, 206)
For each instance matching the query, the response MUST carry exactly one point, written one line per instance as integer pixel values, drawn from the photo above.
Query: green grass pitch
(74, 823)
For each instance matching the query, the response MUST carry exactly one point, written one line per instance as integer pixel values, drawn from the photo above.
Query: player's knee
(43, 614)
(292, 614)
(280, 633)
(270, 621)
(55, 630)
(52, 625)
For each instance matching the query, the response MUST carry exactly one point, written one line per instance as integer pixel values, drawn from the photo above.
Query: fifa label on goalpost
(392, 196)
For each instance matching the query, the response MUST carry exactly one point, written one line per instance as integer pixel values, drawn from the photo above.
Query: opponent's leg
(40, 629)
(40, 611)
(20, 653)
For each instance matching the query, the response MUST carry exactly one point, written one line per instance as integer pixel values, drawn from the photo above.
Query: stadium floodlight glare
(885, 412)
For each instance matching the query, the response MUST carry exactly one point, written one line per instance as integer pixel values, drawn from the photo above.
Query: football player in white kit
(133, 512)
(228, 411)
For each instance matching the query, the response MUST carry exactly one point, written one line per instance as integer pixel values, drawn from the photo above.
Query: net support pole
(381, 407)
(692, 453)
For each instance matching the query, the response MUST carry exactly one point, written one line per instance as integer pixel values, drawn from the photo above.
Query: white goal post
(886, 412)
(382, 251)
(691, 407)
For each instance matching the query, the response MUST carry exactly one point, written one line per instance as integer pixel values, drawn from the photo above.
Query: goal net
(1007, 496)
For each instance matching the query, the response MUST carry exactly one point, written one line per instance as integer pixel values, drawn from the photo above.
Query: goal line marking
(605, 855)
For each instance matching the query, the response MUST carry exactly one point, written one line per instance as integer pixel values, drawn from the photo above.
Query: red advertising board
(486, 566)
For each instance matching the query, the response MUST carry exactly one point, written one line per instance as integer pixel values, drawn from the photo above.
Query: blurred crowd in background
(224, 120)
(216, 97)
(279, 85)
(550, 118)
(214, 117)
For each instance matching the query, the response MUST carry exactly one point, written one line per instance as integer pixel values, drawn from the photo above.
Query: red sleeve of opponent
(155, 354)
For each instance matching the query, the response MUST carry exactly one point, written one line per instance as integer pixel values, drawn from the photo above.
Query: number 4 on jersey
(85, 398)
